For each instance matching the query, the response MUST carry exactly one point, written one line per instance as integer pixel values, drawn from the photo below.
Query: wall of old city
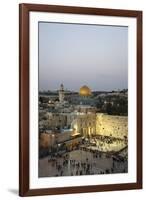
(111, 125)
(90, 124)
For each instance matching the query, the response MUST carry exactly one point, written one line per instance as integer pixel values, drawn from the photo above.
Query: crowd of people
(108, 144)
(88, 164)
(72, 167)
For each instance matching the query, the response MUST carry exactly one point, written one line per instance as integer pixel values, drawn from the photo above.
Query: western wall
(111, 125)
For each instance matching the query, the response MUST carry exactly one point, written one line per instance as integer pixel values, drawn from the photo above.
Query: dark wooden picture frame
(24, 105)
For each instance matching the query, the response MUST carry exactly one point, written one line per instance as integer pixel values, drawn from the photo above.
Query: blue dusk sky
(77, 55)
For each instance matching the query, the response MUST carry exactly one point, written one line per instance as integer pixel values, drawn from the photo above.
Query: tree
(109, 108)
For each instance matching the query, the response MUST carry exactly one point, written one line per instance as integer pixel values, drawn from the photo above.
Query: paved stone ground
(78, 162)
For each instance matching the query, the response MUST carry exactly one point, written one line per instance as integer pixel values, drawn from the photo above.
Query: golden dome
(85, 91)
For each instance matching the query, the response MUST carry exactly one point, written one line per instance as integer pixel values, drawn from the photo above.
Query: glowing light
(75, 127)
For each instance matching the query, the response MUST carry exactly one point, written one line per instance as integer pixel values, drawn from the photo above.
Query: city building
(83, 116)
(77, 124)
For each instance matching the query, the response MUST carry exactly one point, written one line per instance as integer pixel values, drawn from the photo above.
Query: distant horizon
(67, 89)
(77, 55)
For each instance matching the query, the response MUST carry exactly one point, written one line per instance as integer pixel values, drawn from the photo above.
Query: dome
(85, 91)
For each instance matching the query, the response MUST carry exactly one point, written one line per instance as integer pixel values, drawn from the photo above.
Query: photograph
(80, 91)
(83, 99)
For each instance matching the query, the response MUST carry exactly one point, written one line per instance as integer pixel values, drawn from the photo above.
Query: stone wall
(46, 140)
(89, 123)
(61, 137)
(111, 125)
(85, 124)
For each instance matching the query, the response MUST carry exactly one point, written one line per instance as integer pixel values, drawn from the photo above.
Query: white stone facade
(111, 125)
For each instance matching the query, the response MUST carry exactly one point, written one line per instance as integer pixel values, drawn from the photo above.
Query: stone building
(82, 118)
(85, 124)
(66, 139)
(61, 93)
(56, 120)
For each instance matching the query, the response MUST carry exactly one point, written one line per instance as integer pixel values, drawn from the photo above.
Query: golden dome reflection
(85, 91)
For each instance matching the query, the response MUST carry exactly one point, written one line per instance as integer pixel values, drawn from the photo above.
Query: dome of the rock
(85, 91)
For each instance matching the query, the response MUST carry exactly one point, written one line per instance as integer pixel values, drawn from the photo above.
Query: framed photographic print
(80, 99)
